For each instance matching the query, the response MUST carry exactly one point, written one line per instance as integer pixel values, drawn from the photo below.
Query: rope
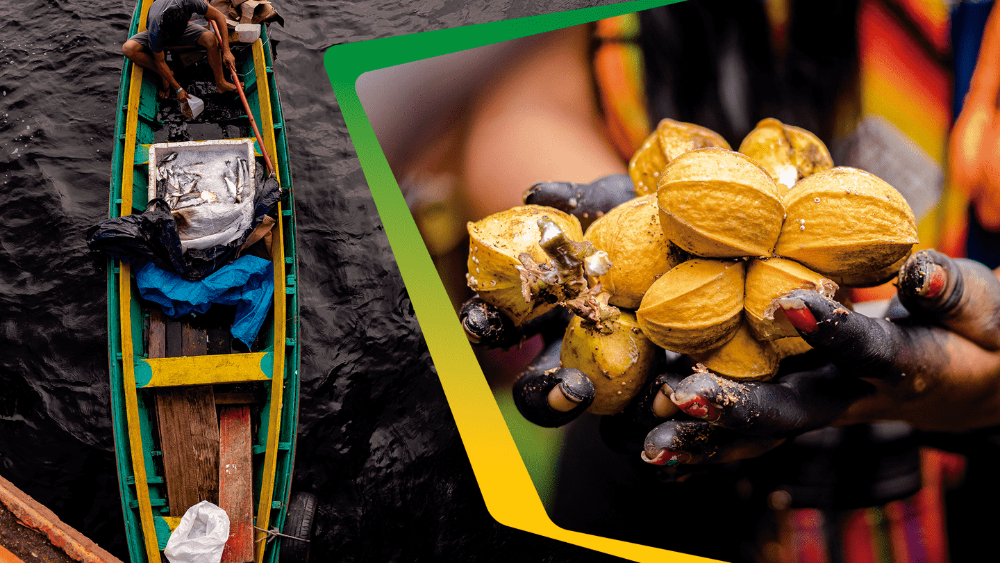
(273, 532)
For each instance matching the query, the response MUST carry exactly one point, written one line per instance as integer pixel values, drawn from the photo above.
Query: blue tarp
(247, 283)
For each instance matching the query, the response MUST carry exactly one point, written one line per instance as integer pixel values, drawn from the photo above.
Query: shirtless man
(167, 25)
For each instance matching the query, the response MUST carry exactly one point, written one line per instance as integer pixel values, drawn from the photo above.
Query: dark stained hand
(936, 367)
(587, 202)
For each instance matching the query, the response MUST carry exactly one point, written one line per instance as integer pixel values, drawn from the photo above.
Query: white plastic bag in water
(201, 535)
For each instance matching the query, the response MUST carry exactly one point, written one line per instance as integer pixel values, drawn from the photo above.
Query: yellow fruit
(770, 279)
(669, 140)
(494, 245)
(618, 364)
(743, 357)
(793, 346)
(646, 165)
(639, 253)
(788, 153)
(695, 306)
(717, 203)
(871, 278)
(845, 221)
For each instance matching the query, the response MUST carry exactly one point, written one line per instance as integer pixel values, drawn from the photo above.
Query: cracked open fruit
(670, 140)
(788, 153)
(495, 246)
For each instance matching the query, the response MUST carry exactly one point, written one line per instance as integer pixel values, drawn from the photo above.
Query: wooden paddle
(246, 105)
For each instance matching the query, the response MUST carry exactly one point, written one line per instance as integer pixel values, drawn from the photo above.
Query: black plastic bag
(151, 236)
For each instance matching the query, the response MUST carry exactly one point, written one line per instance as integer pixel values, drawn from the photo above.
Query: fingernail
(662, 407)
(660, 458)
(798, 314)
(934, 281)
(560, 401)
(698, 407)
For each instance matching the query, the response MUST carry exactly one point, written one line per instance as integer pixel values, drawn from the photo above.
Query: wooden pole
(246, 104)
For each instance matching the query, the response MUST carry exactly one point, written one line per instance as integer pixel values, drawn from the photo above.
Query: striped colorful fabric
(906, 80)
(909, 530)
(806, 536)
(931, 18)
(620, 75)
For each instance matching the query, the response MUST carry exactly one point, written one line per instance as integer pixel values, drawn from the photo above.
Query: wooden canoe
(180, 393)
(32, 532)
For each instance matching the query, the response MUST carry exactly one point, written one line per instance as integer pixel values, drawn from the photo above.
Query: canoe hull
(145, 504)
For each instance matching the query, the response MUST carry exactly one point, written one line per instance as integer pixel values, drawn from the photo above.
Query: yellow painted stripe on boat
(201, 370)
(132, 410)
(266, 124)
(125, 300)
(278, 258)
(172, 521)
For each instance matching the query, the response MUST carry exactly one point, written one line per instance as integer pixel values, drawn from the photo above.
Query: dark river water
(377, 442)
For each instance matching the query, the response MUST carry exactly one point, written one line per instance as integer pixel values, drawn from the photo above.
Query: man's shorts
(188, 39)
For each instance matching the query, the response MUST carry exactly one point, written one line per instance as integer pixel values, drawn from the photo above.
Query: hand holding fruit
(936, 367)
(697, 264)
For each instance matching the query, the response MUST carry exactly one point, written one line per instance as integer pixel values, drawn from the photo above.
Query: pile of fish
(178, 185)
(210, 194)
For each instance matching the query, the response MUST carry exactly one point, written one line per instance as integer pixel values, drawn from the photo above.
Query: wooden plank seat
(203, 370)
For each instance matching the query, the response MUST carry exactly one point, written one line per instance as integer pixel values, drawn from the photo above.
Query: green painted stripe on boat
(148, 104)
(154, 502)
(267, 365)
(141, 155)
(143, 373)
(162, 532)
(152, 480)
(250, 87)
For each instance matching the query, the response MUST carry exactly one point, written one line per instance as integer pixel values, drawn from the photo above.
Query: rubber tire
(298, 523)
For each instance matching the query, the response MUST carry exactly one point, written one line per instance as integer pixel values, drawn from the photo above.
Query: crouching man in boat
(168, 25)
